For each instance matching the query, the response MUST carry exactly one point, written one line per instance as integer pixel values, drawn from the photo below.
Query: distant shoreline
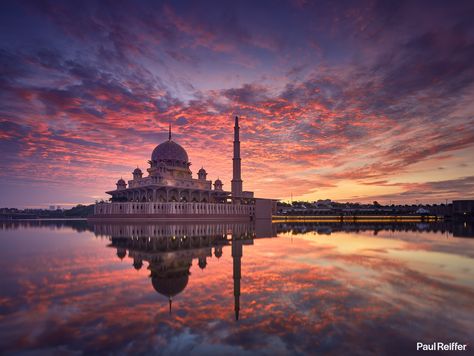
(42, 219)
(296, 218)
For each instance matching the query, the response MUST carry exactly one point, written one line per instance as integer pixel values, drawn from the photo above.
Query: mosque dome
(218, 251)
(169, 151)
(137, 171)
(218, 184)
(121, 253)
(121, 181)
(202, 262)
(137, 264)
(170, 285)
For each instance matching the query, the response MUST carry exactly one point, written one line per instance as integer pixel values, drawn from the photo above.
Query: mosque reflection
(170, 250)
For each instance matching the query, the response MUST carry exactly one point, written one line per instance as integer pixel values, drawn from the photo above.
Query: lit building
(170, 192)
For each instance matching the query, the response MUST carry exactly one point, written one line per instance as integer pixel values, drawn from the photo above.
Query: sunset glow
(368, 101)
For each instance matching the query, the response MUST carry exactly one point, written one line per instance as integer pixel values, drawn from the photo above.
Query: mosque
(169, 191)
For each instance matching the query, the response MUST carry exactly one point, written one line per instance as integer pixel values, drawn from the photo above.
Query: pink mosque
(169, 191)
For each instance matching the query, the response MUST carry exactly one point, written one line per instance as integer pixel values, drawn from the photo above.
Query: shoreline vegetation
(79, 211)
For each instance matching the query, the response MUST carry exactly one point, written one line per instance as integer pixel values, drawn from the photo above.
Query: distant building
(422, 211)
(52, 207)
(463, 208)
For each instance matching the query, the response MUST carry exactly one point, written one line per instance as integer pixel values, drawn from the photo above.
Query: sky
(345, 100)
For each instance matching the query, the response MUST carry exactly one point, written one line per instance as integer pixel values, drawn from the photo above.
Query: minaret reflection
(171, 249)
(237, 265)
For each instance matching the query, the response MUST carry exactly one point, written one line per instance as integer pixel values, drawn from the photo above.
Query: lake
(379, 288)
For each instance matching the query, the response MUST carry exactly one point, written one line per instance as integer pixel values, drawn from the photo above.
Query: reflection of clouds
(306, 294)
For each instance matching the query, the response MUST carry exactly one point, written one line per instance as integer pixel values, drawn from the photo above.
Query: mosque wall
(172, 210)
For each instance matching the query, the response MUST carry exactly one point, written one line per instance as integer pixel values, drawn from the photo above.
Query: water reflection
(266, 229)
(169, 250)
(313, 288)
(454, 228)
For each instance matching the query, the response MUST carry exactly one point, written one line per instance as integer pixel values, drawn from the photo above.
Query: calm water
(69, 287)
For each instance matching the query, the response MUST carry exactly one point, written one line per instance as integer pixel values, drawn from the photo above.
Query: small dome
(121, 182)
(121, 253)
(169, 151)
(137, 171)
(202, 170)
(202, 262)
(137, 264)
(218, 184)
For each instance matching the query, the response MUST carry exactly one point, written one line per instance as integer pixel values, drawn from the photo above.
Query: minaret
(236, 172)
(236, 261)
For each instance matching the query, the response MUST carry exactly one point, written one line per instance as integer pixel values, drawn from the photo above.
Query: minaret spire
(236, 162)
(169, 135)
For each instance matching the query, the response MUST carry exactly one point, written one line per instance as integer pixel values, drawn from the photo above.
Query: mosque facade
(169, 190)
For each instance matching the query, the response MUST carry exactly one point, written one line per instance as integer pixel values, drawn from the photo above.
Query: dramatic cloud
(333, 98)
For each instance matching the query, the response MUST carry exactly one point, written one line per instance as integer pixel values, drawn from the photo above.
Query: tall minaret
(236, 176)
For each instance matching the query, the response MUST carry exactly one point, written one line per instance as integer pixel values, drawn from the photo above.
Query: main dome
(170, 285)
(169, 151)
